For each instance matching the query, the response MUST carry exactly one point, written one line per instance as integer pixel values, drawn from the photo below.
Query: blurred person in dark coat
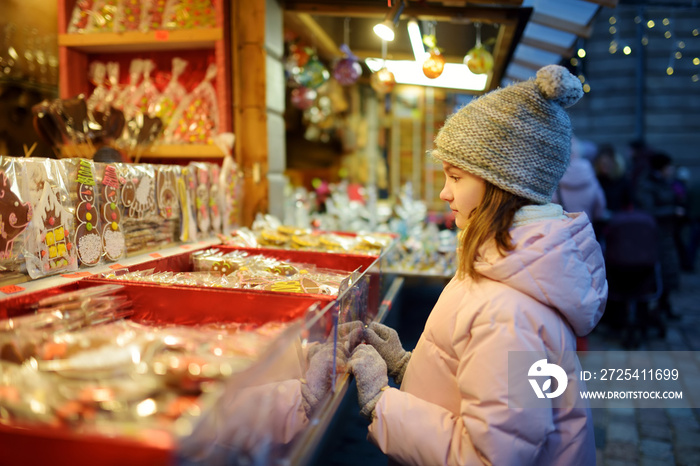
(654, 194)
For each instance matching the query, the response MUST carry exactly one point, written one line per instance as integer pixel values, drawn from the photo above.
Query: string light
(574, 61)
(650, 23)
(581, 53)
(586, 88)
(695, 78)
(627, 50)
(696, 61)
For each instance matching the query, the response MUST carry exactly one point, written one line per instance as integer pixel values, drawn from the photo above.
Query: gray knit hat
(518, 137)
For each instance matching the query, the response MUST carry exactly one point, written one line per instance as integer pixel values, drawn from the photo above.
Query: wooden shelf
(189, 39)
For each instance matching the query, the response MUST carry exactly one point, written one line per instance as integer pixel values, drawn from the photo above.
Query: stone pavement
(653, 437)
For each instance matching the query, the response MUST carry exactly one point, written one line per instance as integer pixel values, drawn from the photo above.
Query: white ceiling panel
(575, 11)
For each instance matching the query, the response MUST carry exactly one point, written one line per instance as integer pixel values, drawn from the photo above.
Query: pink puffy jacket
(453, 408)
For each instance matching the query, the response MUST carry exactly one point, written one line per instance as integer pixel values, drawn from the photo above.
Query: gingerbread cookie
(167, 192)
(113, 241)
(14, 216)
(87, 234)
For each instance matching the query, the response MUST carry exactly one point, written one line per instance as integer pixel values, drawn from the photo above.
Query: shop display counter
(254, 416)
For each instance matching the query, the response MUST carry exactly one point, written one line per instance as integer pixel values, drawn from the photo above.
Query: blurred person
(579, 189)
(610, 170)
(654, 194)
(531, 278)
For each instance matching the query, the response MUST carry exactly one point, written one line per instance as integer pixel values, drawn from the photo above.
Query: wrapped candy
(196, 119)
(146, 93)
(167, 102)
(189, 14)
(80, 16)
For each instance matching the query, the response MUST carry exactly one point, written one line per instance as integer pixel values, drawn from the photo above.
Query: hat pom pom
(558, 85)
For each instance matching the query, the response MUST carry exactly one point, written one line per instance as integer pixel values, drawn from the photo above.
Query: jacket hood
(556, 261)
(578, 175)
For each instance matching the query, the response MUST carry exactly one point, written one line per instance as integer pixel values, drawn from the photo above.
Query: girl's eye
(455, 178)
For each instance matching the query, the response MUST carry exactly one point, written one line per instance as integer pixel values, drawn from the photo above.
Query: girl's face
(462, 191)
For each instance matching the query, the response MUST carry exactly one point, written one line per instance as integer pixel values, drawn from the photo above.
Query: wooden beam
(605, 3)
(548, 47)
(561, 24)
(313, 34)
(421, 11)
(248, 60)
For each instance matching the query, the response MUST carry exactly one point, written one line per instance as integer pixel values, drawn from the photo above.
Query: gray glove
(351, 334)
(317, 382)
(386, 341)
(369, 370)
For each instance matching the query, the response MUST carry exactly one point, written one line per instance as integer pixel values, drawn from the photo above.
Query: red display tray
(158, 305)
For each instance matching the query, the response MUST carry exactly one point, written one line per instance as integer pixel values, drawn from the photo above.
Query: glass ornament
(383, 81)
(434, 64)
(303, 97)
(314, 74)
(479, 60)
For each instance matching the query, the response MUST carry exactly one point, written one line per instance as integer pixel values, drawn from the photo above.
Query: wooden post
(249, 105)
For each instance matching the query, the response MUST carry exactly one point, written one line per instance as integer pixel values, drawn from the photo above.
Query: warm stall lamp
(416, 39)
(454, 76)
(385, 29)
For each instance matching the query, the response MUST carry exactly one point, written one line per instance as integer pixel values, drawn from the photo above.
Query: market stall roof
(524, 34)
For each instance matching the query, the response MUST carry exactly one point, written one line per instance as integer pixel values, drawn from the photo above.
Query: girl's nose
(445, 194)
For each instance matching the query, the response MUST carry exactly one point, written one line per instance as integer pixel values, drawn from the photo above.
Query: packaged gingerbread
(187, 192)
(15, 215)
(50, 246)
(202, 176)
(109, 191)
(88, 234)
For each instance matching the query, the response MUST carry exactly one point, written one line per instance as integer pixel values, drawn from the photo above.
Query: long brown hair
(491, 219)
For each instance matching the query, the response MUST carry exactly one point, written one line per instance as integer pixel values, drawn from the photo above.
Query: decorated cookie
(167, 192)
(14, 216)
(56, 251)
(88, 238)
(273, 238)
(113, 241)
(138, 196)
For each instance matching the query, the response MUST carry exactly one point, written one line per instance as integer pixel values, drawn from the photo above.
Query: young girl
(531, 278)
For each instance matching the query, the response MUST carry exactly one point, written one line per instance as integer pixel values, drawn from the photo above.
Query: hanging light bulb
(385, 29)
(383, 80)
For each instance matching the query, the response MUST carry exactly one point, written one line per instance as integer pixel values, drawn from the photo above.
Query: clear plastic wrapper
(230, 184)
(80, 16)
(15, 215)
(123, 100)
(97, 75)
(196, 120)
(202, 173)
(153, 19)
(88, 225)
(132, 15)
(53, 220)
(146, 93)
(174, 92)
(191, 14)
(215, 198)
(105, 17)
(187, 191)
(143, 227)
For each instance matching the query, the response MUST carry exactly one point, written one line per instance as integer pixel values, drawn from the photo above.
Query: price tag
(155, 255)
(9, 289)
(162, 35)
(116, 266)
